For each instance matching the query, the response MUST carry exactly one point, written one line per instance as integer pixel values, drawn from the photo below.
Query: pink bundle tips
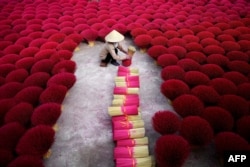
(122, 125)
(130, 110)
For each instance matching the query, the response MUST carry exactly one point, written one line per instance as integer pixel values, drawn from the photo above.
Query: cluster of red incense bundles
(131, 148)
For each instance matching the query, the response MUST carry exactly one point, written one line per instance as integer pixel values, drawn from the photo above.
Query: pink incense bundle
(132, 142)
(135, 162)
(131, 152)
(128, 124)
(128, 134)
(127, 117)
(123, 110)
(126, 102)
(127, 78)
(131, 84)
(125, 90)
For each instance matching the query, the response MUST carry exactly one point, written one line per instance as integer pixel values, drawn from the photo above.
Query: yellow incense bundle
(135, 162)
(47, 154)
(120, 84)
(141, 151)
(117, 102)
(131, 50)
(91, 43)
(137, 133)
(132, 90)
(131, 152)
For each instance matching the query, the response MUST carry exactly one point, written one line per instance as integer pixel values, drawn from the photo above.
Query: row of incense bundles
(131, 148)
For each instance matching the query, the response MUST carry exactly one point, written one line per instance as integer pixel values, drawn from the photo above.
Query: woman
(110, 51)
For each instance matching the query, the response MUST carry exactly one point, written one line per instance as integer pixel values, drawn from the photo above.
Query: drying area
(84, 137)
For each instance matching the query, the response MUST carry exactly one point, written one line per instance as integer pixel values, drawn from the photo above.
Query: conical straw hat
(114, 36)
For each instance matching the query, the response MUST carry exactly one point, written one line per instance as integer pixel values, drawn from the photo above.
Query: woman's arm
(111, 50)
(122, 49)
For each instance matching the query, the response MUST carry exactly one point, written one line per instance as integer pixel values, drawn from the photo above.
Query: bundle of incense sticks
(120, 134)
(131, 144)
(131, 84)
(128, 96)
(131, 152)
(128, 124)
(128, 69)
(127, 117)
(127, 78)
(123, 110)
(125, 90)
(135, 162)
(125, 102)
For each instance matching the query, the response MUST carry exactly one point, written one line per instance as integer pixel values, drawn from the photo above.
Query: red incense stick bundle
(131, 152)
(128, 134)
